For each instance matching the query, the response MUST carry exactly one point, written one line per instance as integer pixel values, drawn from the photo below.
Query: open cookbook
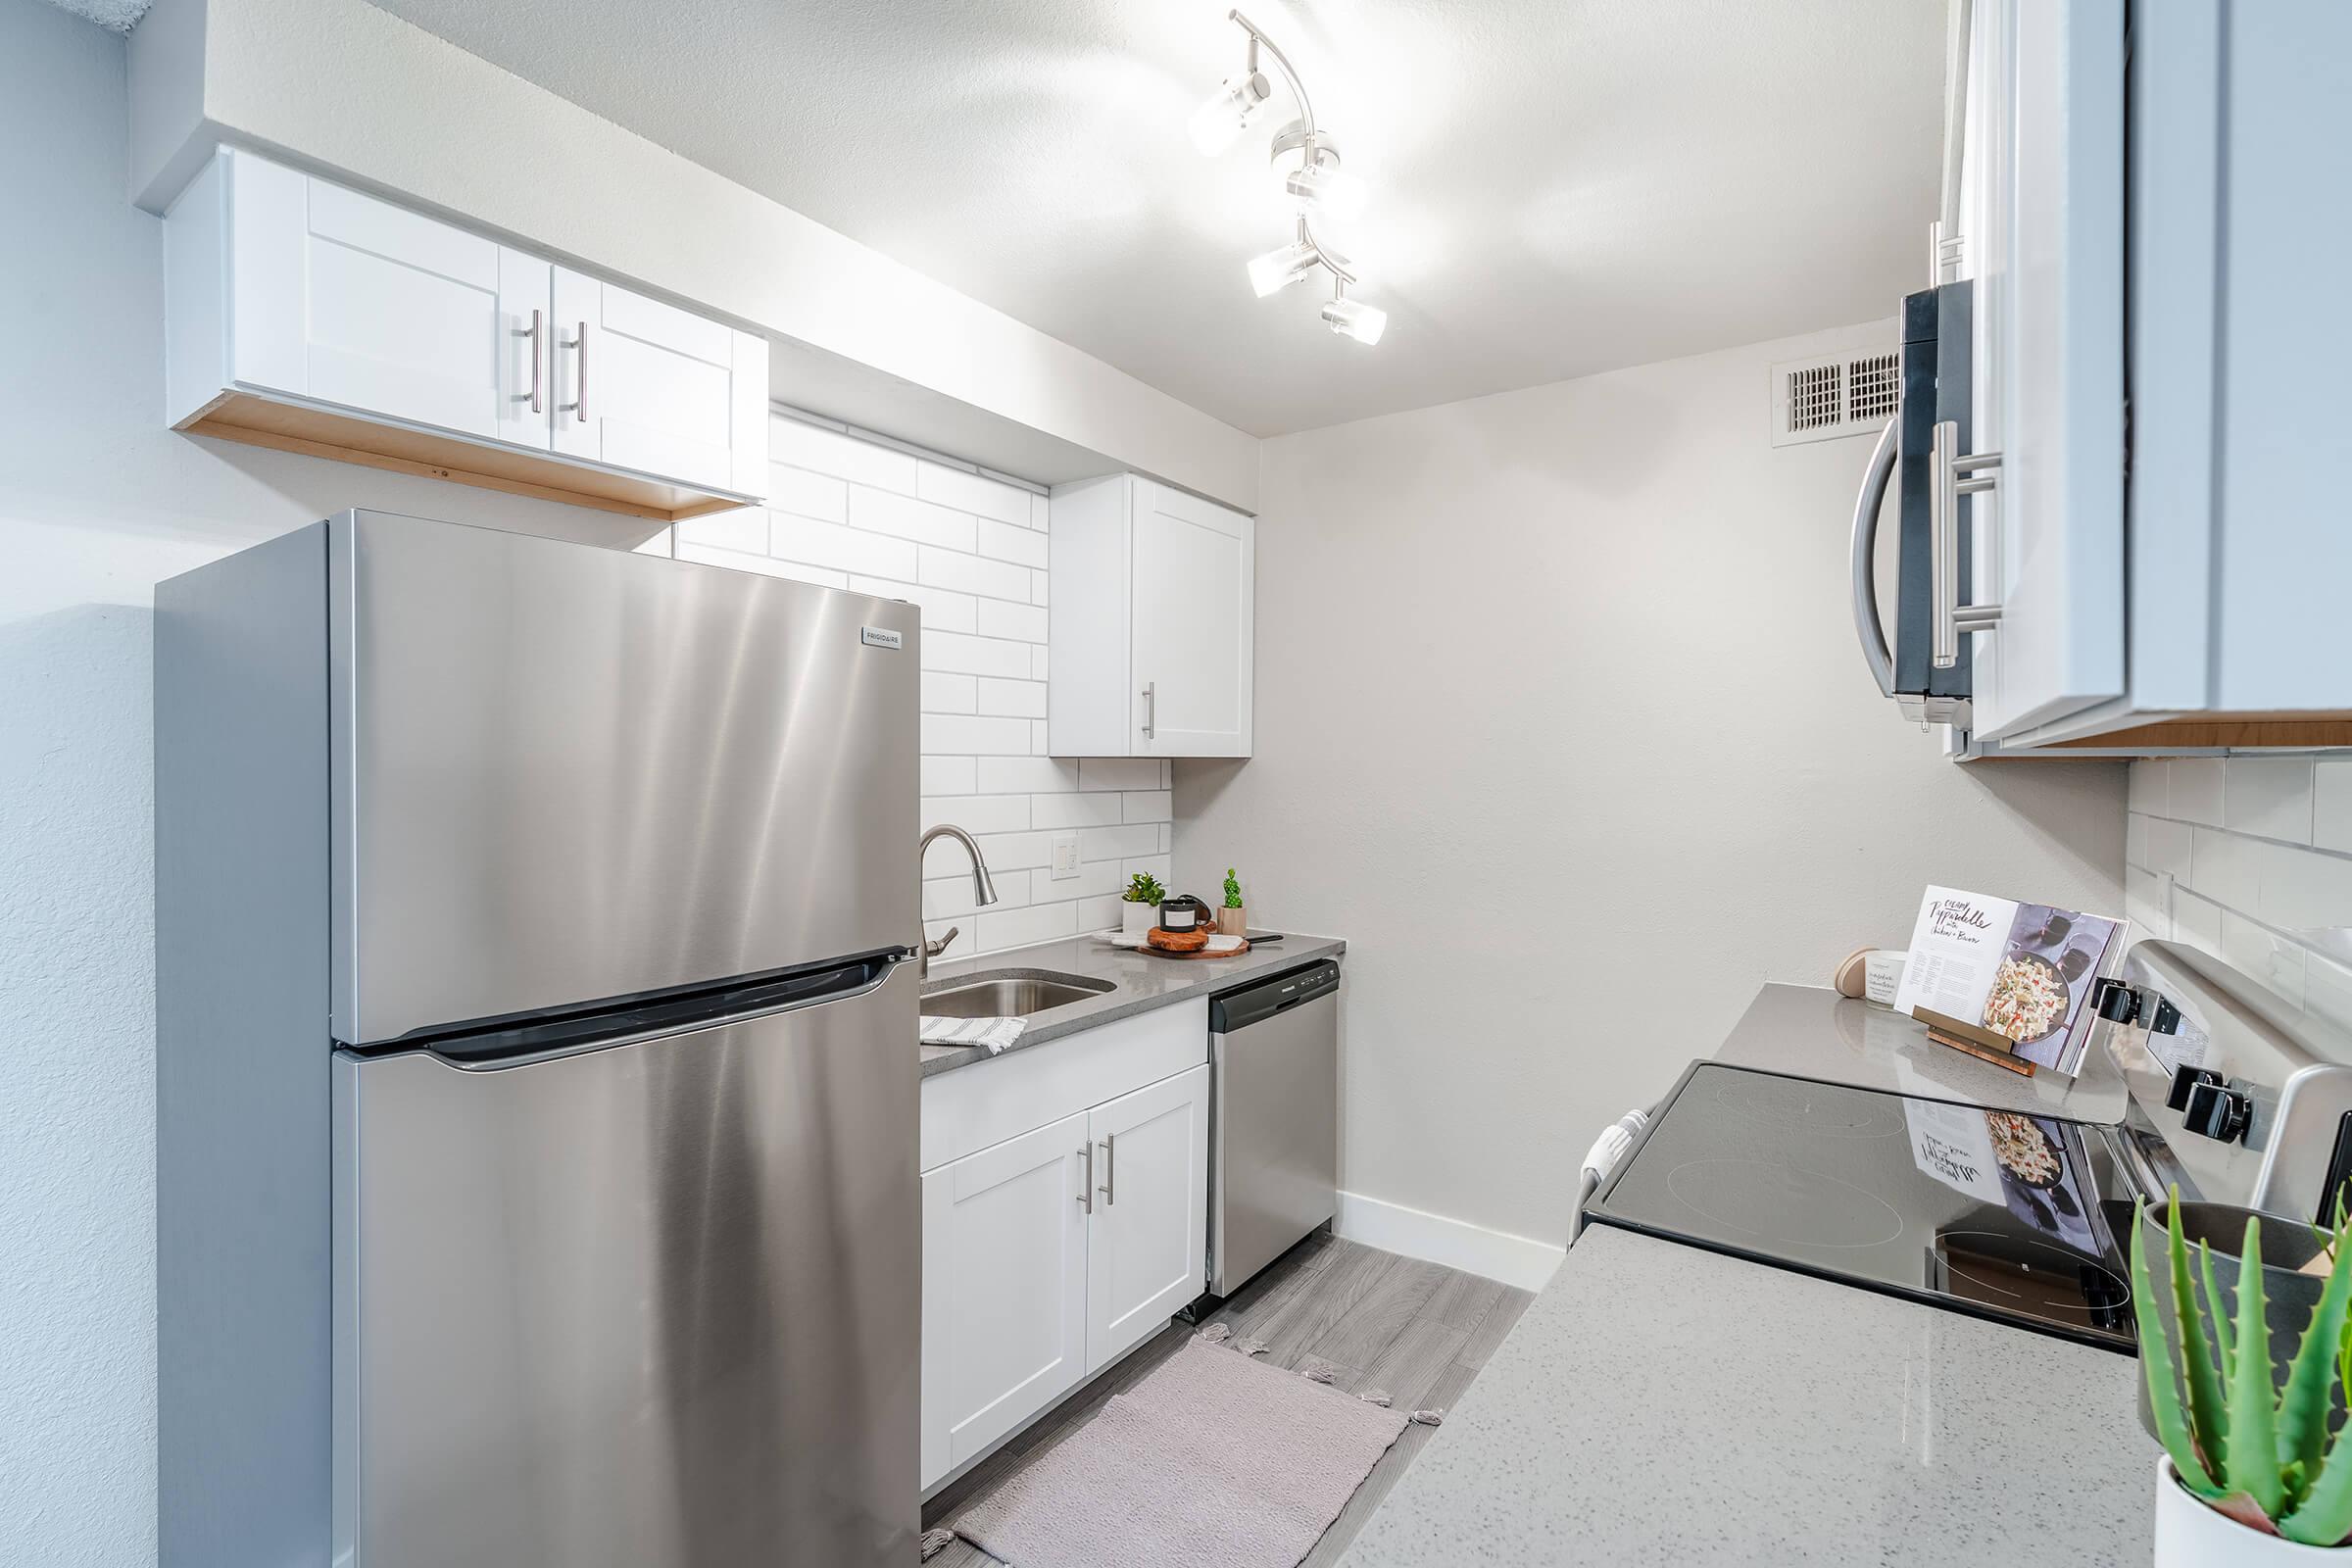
(2023, 972)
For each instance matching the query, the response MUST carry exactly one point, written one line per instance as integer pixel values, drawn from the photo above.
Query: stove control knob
(2218, 1112)
(2184, 1081)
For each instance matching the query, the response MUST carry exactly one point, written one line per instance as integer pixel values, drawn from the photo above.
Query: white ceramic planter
(1137, 918)
(2189, 1535)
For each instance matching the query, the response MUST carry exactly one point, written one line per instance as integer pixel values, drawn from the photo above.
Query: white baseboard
(1519, 1260)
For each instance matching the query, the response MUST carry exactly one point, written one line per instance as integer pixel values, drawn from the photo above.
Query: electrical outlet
(1065, 857)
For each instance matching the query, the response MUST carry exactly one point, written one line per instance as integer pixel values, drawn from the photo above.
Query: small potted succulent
(1233, 921)
(2251, 1475)
(1140, 910)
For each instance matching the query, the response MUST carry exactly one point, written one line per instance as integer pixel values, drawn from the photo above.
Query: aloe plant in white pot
(2251, 1475)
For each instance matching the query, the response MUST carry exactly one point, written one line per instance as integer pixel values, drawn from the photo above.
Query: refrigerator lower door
(653, 1305)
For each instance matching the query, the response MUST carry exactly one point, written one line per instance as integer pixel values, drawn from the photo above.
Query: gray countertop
(1141, 982)
(1661, 1403)
(1813, 1032)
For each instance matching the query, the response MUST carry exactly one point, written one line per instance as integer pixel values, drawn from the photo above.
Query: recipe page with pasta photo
(2025, 971)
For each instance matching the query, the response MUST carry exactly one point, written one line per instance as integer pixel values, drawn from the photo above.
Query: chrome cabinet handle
(1946, 466)
(1867, 624)
(578, 406)
(532, 332)
(1110, 1171)
(1151, 708)
(1086, 1189)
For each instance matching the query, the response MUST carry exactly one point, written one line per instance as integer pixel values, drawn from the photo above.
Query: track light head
(1306, 164)
(1356, 320)
(1279, 269)
(1219, 122)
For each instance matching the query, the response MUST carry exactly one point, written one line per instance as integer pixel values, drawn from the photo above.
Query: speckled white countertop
(1663, 1405)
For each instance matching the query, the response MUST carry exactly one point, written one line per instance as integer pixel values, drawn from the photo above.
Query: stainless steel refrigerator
(536, 1058)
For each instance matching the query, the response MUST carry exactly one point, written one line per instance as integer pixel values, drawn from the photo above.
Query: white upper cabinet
(2156, 361)
(304, 316)
(644, 386)
(1151, 623)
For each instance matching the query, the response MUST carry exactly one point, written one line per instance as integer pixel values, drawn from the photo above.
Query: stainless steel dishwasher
(1274, 1124)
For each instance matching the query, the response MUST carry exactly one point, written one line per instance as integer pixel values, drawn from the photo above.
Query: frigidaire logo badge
(881, 637)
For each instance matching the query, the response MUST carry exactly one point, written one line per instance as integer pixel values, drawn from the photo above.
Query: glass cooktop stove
(2001, 1214)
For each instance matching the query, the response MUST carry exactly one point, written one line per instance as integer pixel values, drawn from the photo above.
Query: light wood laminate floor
(1419, 1330)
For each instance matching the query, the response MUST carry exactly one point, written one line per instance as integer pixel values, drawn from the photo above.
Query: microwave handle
(1867, 625)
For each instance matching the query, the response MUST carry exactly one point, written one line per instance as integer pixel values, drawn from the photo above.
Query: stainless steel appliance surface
(555, 1203)
(1274, 1118)
(563, 774)
(1999, 1214)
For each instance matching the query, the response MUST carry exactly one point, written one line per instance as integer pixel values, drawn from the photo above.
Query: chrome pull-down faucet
(984, 889)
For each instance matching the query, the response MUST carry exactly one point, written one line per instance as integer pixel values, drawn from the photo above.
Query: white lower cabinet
(1050, 1256)
(1149, 1241)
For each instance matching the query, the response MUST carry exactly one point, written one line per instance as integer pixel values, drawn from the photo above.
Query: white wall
(2250, 859)
(971, 550)
(1562, 724)
(98, 501)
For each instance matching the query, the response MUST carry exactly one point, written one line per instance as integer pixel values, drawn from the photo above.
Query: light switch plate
(1065, 857)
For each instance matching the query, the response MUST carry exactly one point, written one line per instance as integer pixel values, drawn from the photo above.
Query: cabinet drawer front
(972, 1107)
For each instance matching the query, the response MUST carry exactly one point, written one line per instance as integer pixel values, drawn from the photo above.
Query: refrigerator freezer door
(563, 774)
(651, 1306)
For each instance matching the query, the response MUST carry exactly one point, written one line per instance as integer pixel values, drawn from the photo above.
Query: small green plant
(2245, 1446)
(1144, 888)
(1233, 890)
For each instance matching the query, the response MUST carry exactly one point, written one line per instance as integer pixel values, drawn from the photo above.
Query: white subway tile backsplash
(2331, 803)
(744, 529)
(2196, 921)
(2148, 779)
(1020, 622)
(1014, 542)
(839, 546)
(1030, 775)
(2302, 891)
(975, 656)
(2194, 790)
(1040, 739)
(943, 610)
(2269, 797)
(2145, 904)
(2135, 839)
(983, 736)
(979, 814)
(1014, 698)
(1119, 773)
(808, 494)
(2270, 960)
(904, 517)
(2327, 990)
(1152, 865)
(970, 574)
(2167, 847)
(1078, 811)
(969, 550)
(1117, 843)
(2226, 868)
(970, 492)
(944, 693)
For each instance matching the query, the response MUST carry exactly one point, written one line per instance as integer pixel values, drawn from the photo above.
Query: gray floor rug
(1214, 1460)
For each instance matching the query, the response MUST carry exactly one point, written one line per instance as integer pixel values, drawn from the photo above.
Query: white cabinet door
(1005, 1277)
(1193, 571)
(1147, 1254)
(344, 299)
(2045, 246)
(645, 386)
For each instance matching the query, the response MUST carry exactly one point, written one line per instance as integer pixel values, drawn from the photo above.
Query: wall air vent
(1821, 399)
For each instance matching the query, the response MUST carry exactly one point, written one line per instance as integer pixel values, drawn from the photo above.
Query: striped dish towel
(993, 1033)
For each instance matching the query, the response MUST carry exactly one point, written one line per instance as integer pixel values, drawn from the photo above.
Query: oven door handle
(1867, 625)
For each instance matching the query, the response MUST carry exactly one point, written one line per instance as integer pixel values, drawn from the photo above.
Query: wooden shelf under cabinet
(262, 422)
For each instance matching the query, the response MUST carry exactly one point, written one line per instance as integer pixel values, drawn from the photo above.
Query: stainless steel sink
(1010, 994)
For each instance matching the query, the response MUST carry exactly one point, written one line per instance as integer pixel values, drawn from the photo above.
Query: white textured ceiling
(1558, 187)
(120, 15)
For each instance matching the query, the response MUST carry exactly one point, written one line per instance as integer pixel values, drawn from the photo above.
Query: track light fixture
(1306, 164)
